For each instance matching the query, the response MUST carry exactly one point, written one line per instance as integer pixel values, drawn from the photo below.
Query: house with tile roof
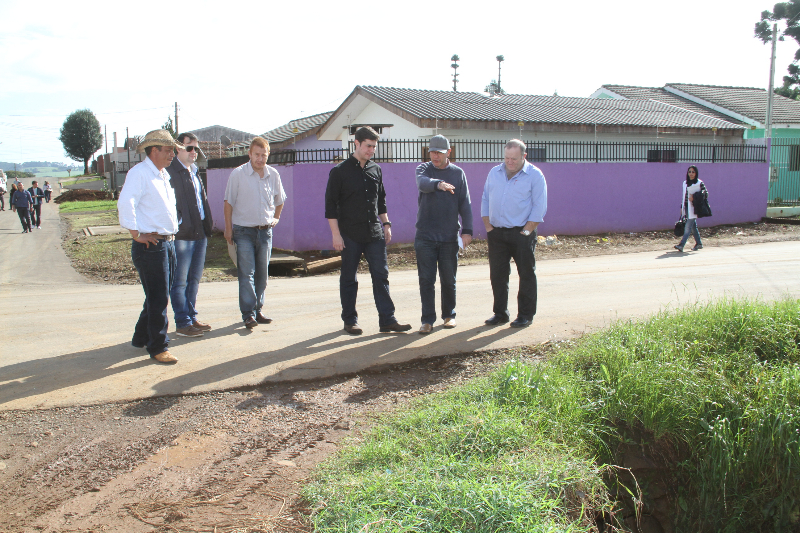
(420, 114)
(298, 134)
(742, 105)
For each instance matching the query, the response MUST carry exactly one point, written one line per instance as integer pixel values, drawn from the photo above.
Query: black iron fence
(416, 150)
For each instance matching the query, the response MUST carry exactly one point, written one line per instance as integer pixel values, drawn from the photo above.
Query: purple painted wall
(583, 198)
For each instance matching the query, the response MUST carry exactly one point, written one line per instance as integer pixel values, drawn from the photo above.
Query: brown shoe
(353, 329)
(396, 327)
(250, 323)
(165, 357)
(449, 323)
(424, 329)
(189, 331)
(261, 319)
(201, 326)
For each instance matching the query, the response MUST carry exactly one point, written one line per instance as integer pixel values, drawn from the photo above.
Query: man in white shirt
(254, 200)
(147, 209)
(195, 223)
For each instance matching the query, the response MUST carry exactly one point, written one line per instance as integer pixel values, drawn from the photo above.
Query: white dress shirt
(147, 201)
(252, 197)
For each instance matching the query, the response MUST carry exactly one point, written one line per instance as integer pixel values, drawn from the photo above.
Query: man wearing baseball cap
(147, 209)
(443, 197)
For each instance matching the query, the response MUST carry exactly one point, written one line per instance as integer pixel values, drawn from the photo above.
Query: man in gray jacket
(443, 197)
(194, 219)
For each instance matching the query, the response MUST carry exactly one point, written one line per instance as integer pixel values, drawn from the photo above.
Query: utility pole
(500, 60)
(455, 59)
(768, 125)
(176, 119)
(105, 136)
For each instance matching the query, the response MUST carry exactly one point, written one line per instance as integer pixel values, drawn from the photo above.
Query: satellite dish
(225, 140)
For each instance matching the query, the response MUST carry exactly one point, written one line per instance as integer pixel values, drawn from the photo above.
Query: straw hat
(158, 138)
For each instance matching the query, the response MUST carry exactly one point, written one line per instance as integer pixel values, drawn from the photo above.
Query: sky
(254, 66)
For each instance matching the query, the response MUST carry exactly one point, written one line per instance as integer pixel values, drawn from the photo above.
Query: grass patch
(698, 407)
(90, 205)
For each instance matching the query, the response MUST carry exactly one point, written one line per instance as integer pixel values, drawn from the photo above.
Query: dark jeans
(191, 257)
(47, 196)
(375, 253)
(431, 254)
(691, 228)
(2, 201)
(505, 244)
(36, 215)
(24, 218)
(253, 250)
(156, 266)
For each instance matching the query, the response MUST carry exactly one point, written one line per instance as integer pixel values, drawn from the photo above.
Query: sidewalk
(67, 342)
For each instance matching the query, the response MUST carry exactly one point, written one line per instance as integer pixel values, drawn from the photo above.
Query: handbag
(680, 226)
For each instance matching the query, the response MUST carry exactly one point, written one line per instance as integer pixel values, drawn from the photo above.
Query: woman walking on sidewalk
(692, 185)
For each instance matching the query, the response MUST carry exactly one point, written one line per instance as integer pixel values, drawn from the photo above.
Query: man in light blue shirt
(513, 204)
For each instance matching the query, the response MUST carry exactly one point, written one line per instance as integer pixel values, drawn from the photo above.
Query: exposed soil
(81, 195)
(225, 461)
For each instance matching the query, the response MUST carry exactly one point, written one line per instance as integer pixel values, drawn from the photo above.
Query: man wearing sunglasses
(194, 219)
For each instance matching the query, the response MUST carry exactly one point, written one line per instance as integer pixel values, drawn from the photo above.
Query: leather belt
(263, 227)
(166, 238)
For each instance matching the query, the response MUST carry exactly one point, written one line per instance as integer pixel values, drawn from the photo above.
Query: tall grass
(715, 387)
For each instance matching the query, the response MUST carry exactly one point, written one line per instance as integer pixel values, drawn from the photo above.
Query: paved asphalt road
(65, 341)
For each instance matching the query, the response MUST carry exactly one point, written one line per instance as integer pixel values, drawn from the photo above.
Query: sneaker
(201, 326)
(679, 248)
(189, 331)
(697, 247)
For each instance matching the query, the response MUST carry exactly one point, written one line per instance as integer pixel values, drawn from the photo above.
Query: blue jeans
(191, 256)
(429, 255)
(375, 253)
(156, 266)
(691, 227)
(253, 250)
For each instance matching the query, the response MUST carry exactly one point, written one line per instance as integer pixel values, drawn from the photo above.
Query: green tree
(81, 136)
(790, 13)
(169, 127)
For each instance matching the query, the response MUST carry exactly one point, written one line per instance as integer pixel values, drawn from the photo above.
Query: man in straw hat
(147, 209)
(254, 200)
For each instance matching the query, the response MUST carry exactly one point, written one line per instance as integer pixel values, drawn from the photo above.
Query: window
(537, 155)
(794, 158)
(662, 156)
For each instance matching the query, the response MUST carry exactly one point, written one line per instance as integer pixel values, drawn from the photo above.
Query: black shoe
(353, 329)
(250, 323)
(496, 320)
(396, 327)
(520, 322)
(261, 319)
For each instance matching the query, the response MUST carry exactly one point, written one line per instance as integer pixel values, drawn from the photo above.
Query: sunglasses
(191, 148)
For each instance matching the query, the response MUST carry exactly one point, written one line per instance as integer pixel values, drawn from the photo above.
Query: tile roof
(662, 95)
(452, 105)
(283, 133)
(748, 101)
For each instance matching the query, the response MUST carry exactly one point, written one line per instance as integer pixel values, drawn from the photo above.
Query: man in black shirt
(355, 206)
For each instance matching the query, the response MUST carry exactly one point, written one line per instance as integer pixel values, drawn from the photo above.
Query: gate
(784, 172)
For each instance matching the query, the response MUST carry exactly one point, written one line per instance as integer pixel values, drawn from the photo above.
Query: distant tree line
(11, 174)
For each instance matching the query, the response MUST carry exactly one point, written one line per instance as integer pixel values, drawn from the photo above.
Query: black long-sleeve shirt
(355, 197)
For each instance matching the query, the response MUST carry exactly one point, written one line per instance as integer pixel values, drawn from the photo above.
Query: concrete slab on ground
(80, 352)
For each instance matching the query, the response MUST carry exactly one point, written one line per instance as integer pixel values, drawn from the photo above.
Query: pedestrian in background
(22, 202)
(37, 195)
(48, 191)
(443, 197)
(692, 185)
